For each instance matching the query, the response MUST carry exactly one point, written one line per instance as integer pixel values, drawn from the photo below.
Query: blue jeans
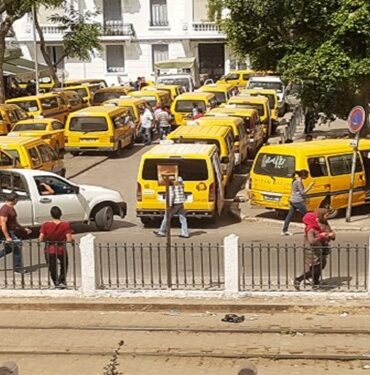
(176, 209)
(147, 134)
(301, 207)
(164, 131)
(16, 248)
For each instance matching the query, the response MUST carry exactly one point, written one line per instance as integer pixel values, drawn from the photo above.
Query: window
(112, 11)
(5, 160)
(28, 127)
(159, 53)
(29, 105)
(12, 116)
(56, 53)
(35, 158)
(318, 167)
(101, 97)
(14, 154)
(275, 165)
(341, 164)
(187, 105)
(88, 124)
(60, 187)
(189, 170)
(115, 58)
(277, 86)
(52, 153)
(57, 125)
(158, 13)
(49, 103)
(21, 114)
(45, 156)
(118, 121)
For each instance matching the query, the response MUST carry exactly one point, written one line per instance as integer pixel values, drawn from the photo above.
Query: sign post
(356, 121)
(167, 174)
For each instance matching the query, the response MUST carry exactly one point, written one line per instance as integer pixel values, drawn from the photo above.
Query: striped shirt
(163, 118)
(177, 194)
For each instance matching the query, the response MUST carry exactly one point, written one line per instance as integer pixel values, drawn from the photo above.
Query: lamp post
(35, 50)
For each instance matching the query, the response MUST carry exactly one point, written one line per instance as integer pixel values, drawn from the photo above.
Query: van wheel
(132, 141)
(118, 152)
(104, 218)
(146, 221)
(75, 153)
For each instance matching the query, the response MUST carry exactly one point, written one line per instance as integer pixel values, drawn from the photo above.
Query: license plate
(162, 198)
(271, 198)
(88, 139)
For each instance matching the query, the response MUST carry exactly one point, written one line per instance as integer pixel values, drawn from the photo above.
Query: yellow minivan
(329, 165)
(182, 107)
(236, 125)
(108, 93)
(173, 90)
(237, 77)
(73, 101)
(100, 128)
(33, 153)
(86, 81)
(221, 137)
(43, 105)
(261, 103)
(222, 92)
(86, 91)
(252, 125)
(10, 114)
(153, 97)
(199, 167)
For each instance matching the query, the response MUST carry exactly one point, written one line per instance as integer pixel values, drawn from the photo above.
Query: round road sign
(356, 119)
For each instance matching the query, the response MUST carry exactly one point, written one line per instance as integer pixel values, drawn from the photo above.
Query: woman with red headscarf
(317, 237)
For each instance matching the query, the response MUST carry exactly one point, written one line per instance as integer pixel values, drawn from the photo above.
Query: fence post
(88, 273)
(231, 263)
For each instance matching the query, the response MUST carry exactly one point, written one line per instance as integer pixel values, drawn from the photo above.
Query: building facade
(138, 33)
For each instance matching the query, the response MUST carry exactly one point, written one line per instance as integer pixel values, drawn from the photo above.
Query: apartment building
(138, 33)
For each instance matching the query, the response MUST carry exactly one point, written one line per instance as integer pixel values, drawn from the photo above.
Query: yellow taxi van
(73, 101)
(108, 93)
(33, 153)
(252, 125)
(89, 81)
(48, 129)
(43, 105)
(85, 91)
(329, 165)
(237, 77)
(199, 167)
(221, 137)
(153, 97)
(10, 114)
(100, 128)
(261, 103)
(173, 90)
(240, 138)
(222, 92)
(182, 106)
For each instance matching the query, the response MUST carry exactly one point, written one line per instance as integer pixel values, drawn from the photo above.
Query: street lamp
(35, 50)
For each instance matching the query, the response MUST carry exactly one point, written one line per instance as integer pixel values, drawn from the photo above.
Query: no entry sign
(356, 119)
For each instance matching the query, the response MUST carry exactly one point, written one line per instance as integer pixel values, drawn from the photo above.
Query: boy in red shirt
(55, 234)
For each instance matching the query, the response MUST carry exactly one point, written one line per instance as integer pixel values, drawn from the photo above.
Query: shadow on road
(335, 282)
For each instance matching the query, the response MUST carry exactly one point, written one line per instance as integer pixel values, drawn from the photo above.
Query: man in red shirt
(55, 234)
(9, 226)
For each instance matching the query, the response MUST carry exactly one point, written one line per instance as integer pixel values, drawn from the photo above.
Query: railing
(24, 265)
(118, 28)
(52, 30)
(206, 27)
(275, 268)
(138, 266)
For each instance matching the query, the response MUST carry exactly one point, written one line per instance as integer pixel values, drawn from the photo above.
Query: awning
(25, 69)
(182, 63)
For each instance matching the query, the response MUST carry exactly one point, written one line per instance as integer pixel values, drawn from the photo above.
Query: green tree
(81, 36)
(325, 43)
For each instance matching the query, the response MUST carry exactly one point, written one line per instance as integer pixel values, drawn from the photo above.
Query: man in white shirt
(146, 118)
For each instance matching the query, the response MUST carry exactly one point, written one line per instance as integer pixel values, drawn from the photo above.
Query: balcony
(118, 28)
(206, 27)
(52, 30)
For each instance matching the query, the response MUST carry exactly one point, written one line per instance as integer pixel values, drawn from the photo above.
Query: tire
(75, 153)
(104, 218)
(146, 221)
(118, 152)
(132, 142)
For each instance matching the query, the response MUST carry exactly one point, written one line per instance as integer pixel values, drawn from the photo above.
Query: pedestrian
(195, 110)
(56, 233)
(297, 198)
(317, 238)
(146, 119)
(164, 122)
(9, 228)
(137, 84)
(199, 114)
(177, 200)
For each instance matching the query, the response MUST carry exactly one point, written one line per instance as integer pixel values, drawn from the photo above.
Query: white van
(271, 83)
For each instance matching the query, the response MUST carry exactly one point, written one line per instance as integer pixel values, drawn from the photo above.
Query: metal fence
(275, 267)
(139, 266)
(25, 265)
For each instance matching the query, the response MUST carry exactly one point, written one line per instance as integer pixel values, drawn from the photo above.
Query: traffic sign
(356, 119)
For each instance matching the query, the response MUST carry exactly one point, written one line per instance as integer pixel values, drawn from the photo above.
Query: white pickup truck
(79, 203)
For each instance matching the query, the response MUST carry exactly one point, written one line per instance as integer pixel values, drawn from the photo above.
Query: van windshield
(174, 81)
(101, 97)
(270, 97)
(275, 165)
(187, 105)
(28, 105)
(189, 169)
(220, 97)
(260, 108)
(152, 100)
(25, 127)
(277, 86)
(82, 92)
(88, 124)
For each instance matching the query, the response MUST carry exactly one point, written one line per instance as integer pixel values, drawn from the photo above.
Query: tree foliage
(325, 43)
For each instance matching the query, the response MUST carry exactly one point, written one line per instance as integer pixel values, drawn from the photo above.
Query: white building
(138, 33)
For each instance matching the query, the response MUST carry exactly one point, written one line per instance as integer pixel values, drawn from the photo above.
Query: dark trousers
(14, 247)
(52, 261)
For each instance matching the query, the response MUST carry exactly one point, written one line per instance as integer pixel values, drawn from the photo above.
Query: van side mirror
(225, 160)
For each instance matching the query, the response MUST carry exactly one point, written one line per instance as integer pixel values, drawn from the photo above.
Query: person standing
(195, 110)
(9, 226)
(317, 238)
(177, 200)
(146, 119)
(297, 198)
(164, 122)
(56, 233)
